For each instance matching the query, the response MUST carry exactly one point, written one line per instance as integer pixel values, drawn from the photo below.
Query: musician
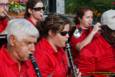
(34, 11)
(92, 53)
(3, 12)
(108, 22)
(21, 36)
(50, 54)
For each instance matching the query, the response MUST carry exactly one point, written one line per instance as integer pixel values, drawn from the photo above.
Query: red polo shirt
(95, 57)
(51, 63)
(9, 68)
(3, 24)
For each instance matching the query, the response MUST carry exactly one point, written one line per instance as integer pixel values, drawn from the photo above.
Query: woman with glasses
(50, 54)
(92, 54)
(34, 11)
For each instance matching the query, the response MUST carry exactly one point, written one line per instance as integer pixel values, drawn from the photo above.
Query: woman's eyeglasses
(39, 8)
(64, 33)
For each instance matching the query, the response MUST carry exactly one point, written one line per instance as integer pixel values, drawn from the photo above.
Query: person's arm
(89, 38)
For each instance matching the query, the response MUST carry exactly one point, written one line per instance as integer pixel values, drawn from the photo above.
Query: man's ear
(12, 40)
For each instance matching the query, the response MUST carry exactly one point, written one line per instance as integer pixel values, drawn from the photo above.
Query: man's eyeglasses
(39, 8)
(64, 33)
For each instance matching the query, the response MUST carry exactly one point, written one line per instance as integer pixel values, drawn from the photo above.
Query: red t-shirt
(96, 57)
(3, 24)
(9, 68)
(51, 63)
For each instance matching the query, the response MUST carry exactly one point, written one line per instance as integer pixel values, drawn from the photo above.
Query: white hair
(21, 28)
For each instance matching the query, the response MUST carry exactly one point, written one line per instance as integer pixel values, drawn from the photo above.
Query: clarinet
(74, 71)
(38, 74)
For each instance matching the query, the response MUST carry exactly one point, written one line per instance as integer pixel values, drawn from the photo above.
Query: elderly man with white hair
(14, 59)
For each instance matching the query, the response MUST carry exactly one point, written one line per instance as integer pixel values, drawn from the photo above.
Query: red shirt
(114, 50)
(51, 63)
(9, 68)
(94, 57)
(3, 24)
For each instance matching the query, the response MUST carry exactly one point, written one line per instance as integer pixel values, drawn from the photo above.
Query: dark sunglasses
(39, 8)
(64, 33)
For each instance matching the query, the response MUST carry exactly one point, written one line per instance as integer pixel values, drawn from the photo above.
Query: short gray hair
(108, 18)
(21, 27)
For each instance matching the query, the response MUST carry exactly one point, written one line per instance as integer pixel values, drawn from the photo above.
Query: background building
(55, 6)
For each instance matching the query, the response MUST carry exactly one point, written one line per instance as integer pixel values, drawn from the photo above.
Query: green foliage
(16, 7)
(100, 5)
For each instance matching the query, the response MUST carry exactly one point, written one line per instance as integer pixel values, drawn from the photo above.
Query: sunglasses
(39, 8)
(64, 33)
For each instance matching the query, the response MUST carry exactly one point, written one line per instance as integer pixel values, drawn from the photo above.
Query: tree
(101, 5)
